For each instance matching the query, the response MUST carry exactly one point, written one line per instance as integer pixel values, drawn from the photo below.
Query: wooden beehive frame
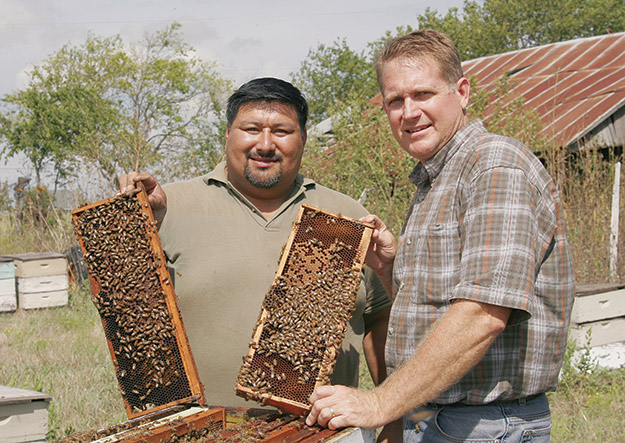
(168, 428)
(330, 249)
(195, 391)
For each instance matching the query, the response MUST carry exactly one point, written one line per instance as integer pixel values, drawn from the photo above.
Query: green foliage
(507, 114)
(578, 360)
(497, 26)
(37, 207)
(363, 157)
(590, 400)
(121, 107)
(331, 75)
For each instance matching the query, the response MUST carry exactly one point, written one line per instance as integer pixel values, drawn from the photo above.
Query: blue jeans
(514, 421)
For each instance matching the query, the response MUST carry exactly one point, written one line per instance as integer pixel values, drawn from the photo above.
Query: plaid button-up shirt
(486, 225)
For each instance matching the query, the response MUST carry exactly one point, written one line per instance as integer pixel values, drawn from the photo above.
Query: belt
(521, 401)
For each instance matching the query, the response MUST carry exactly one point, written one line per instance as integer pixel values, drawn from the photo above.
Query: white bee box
(602, 332)
(8, 300)
(601, 306)
(37, 264)
(23, 415)
(41, 279)
(42, 292)
(46, 283)
(600, 309)
(37, 300)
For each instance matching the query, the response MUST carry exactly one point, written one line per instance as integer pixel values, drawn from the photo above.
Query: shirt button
(409, 241)
(391, 330)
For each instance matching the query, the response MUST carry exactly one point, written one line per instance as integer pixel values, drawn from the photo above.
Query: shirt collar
(430, 169)
(218, 176)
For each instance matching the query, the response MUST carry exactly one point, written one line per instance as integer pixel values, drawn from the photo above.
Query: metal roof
(577, 87)
(574, 86)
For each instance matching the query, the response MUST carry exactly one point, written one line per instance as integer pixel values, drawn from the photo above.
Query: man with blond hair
(481, 277)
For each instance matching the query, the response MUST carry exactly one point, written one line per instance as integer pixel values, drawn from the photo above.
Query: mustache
(266, 155)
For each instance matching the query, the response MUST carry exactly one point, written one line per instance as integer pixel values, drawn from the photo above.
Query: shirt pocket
(431, 259)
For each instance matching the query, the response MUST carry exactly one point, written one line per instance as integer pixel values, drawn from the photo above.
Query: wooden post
(615, 222)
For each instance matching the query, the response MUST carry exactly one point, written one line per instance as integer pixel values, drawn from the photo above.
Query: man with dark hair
(482, 279)
(223, 234)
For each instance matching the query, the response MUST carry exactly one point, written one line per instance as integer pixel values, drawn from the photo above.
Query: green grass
(62, 351)
(589, 407)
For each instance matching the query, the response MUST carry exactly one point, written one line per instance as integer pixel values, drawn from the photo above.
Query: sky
(246, 38)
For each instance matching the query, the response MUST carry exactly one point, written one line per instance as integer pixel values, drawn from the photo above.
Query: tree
(497, 26)
(363, 160)
(332, 74)
(35, 127)
(121, 107)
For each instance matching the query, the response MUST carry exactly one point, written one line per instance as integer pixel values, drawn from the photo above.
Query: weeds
(62, 351)
(590, 401)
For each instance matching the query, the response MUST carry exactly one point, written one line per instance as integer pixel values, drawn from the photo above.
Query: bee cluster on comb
(132, 291)
(305, 312)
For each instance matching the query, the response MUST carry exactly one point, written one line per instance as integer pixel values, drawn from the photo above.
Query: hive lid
(132, 291)
(30, 256)
(10, 395)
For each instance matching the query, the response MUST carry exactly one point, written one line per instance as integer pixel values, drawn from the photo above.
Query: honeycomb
(181, 425)
(132, 291)
(305, 312)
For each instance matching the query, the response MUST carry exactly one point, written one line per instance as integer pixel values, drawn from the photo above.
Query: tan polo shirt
(224, 254)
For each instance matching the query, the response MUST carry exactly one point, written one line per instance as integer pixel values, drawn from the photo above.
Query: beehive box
(8, 298)
(304, 315)
(23, 415)
(262, 426)
(41, 279)
(243, 425)
(600, 310)
(176, 425)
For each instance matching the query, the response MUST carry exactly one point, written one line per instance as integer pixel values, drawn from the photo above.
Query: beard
(263, 179)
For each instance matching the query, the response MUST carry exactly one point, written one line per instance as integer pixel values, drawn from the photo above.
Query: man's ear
(463, 88)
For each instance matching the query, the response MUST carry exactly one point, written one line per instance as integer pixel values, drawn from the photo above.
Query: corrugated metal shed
(577, 87)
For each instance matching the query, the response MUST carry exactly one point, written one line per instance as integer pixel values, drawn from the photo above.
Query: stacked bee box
(23, 415)
(41, 279)
(599, 310)
(8, 300)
